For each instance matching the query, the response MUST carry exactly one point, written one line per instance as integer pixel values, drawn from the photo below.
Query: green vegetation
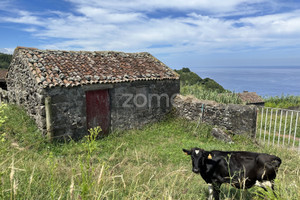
(135, 164)
(288, 101)
(205, 89)
(208, 89)
(200, 92)
(5, 60)
(190, 78)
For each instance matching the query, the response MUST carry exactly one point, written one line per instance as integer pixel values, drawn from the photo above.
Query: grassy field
(136, 164)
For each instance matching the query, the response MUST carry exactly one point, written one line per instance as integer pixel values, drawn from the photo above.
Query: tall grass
(288, 101)
(135, 164)
(202, 93)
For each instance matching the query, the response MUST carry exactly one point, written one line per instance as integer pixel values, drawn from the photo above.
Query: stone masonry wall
(68, 112)
(147, 101)
(239, 119)
(138, 103)
(24, 90)
(69, 105)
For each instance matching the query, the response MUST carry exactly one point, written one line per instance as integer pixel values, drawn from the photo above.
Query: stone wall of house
(133, 105)
(239, 119)
(68, 112)
(138, 103)
(24, 90)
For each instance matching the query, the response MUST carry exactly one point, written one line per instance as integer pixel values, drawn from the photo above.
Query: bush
(187, 77)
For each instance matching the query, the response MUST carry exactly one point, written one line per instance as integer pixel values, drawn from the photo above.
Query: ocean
(265, 81)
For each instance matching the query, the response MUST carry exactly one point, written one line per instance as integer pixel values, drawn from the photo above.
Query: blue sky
(189, 33)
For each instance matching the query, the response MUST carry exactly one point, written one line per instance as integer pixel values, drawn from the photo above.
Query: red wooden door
(98, 109)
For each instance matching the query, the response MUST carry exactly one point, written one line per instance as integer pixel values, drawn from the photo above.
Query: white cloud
(109, 16)
(24, 17)
(7, 50)
(276, 24)
(4, 4)
(127, 26)
(214, 6)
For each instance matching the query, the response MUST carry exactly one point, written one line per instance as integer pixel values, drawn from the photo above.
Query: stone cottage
(68, 92)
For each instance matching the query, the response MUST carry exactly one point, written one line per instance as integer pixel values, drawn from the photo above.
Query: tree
(5, 60)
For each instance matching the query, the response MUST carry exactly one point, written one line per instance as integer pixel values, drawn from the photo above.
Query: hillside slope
(187, 77)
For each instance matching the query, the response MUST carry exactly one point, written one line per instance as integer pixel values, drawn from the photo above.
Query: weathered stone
(126, 116)
(239, 119)
(39, 98)
(60, 98)
(221, 135)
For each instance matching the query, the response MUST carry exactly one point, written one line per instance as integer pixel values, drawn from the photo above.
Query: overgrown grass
(135, 164)
(202, 93)
(283, 101)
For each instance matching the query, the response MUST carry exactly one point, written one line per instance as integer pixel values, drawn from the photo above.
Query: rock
(221, 135)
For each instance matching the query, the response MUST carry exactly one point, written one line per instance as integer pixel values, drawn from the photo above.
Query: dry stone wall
(24, 90)
(239, 119)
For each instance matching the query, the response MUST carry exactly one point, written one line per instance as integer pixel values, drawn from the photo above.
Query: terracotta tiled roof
(3, 73)
(72, 68)
(250, 97)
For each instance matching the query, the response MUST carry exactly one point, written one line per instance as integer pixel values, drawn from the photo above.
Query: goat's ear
(187, 152)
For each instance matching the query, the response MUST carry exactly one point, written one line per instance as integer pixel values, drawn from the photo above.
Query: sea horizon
(266, 81)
